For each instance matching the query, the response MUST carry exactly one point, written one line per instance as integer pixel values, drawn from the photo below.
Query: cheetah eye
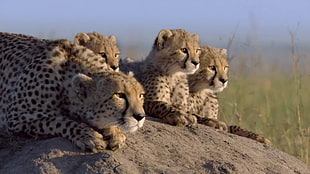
(120, 95)
(116, 55)
(184, 50)
(226, 68)
(103, 54)
(212, 67)
(198, 51)
(141, 96)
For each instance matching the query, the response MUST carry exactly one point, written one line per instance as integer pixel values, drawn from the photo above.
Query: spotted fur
(57, 88)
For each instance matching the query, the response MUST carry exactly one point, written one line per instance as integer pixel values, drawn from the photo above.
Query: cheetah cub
(174, 55)
(101, 44)
(210, 79)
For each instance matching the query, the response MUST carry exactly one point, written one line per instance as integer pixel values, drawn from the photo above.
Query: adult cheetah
(57, 88)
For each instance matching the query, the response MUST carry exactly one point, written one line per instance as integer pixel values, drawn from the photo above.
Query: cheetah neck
(205, 93)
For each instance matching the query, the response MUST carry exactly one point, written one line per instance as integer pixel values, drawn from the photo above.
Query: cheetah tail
(237, 130)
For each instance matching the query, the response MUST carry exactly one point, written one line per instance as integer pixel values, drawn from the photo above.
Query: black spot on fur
(58, 125)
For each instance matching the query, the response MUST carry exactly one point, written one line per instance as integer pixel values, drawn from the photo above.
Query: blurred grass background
(269, 106)
(271, 100)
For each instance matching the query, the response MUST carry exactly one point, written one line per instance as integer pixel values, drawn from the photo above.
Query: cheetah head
(176, 51)
(212, 74)
(101, 44)
(109, 99)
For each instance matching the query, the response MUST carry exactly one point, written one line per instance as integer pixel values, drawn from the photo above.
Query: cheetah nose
(138, 117)
(114, 67)
(195, 63)
(223, 80)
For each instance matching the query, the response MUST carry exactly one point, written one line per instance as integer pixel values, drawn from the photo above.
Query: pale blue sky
(137, 22)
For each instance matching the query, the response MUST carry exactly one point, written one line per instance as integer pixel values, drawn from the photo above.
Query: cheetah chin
(218, 86)
(131, 124)
(190, 68)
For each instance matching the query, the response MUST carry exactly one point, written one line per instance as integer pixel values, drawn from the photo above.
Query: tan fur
(57, 88)
(101, 44)
(175, 54)
(211, 78)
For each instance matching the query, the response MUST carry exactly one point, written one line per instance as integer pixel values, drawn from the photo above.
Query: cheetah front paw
(116, 142)
(180, 119)
(213, 123)
(91, 140)
(114, 137)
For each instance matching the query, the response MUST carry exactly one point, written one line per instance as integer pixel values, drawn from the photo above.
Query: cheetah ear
(81, 85)
(162, 37)
(223, 52)
(130, 73)
(113, 39)
(207, 48)
(196, 37)
(81, 39)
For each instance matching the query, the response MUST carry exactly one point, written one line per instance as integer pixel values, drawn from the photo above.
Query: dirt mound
(156, 148)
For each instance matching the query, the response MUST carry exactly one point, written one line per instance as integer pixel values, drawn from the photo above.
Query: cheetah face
(103, 45)
(177, 51)
(111, 57)
(212, 74)
(110, 99)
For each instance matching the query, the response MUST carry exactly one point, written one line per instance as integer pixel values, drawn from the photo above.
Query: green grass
(273, 106)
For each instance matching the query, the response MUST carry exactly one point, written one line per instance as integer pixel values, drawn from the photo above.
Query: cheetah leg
(114, 136)
(248, 134)
(80, 134)
(169, 114)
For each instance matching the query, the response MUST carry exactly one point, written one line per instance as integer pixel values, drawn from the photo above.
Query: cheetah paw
(213, 123)
(180, 119)
(92, 141)
(116, 142)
